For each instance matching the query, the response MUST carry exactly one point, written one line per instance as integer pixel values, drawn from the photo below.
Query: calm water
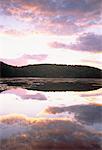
(36, 119)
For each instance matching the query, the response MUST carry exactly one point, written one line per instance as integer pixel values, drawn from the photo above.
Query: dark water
(42, 114)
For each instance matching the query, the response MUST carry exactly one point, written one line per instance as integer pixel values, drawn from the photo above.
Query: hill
(50, 71)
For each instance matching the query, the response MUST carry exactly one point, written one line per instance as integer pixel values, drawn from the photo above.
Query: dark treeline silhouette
(50, 71)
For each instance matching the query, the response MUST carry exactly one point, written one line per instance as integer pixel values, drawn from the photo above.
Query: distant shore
(50, 71)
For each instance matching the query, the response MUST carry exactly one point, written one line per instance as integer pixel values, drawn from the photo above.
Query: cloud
(54, 16)
(39, 57)
(10, 31)
(58, 45)
(23, 60)
(93, 61)
(86, 42)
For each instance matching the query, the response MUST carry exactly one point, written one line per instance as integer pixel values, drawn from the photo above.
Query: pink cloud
(56, 17)
(23, 60)
(40, 57)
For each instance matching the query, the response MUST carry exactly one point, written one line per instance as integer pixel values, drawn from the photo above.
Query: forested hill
(50, 71)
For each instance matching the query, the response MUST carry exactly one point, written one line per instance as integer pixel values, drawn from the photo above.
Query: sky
(51, 31)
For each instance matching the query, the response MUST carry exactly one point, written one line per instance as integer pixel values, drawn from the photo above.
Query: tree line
(50, 71)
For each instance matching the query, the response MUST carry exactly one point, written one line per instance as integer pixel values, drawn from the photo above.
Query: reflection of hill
(46, 85)
(64, 86)
(50, 71)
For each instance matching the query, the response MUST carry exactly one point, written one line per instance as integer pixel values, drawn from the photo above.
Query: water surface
(42, 119)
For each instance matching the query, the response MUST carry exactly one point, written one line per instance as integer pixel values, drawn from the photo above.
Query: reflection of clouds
(92, 93)
(65, 124)
(38, 96)
(87, 114)
(93, 97)
(16, 101)
(44, 134)
(11, 103)
(53, 98)
(64, 98)
(64, 115)
(26, 94)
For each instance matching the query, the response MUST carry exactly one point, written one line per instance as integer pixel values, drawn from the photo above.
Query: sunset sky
(51, 31)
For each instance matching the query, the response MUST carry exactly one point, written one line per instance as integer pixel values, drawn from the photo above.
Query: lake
(48, 113)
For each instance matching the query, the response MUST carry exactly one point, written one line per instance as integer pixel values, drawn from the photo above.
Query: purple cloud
(86, 42)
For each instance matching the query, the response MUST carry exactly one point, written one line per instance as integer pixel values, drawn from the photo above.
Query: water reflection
(34, 103)
(46, 134)
(85, 114)
(64, 86)
(52, 84)
(26, 94)
(39, 120)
